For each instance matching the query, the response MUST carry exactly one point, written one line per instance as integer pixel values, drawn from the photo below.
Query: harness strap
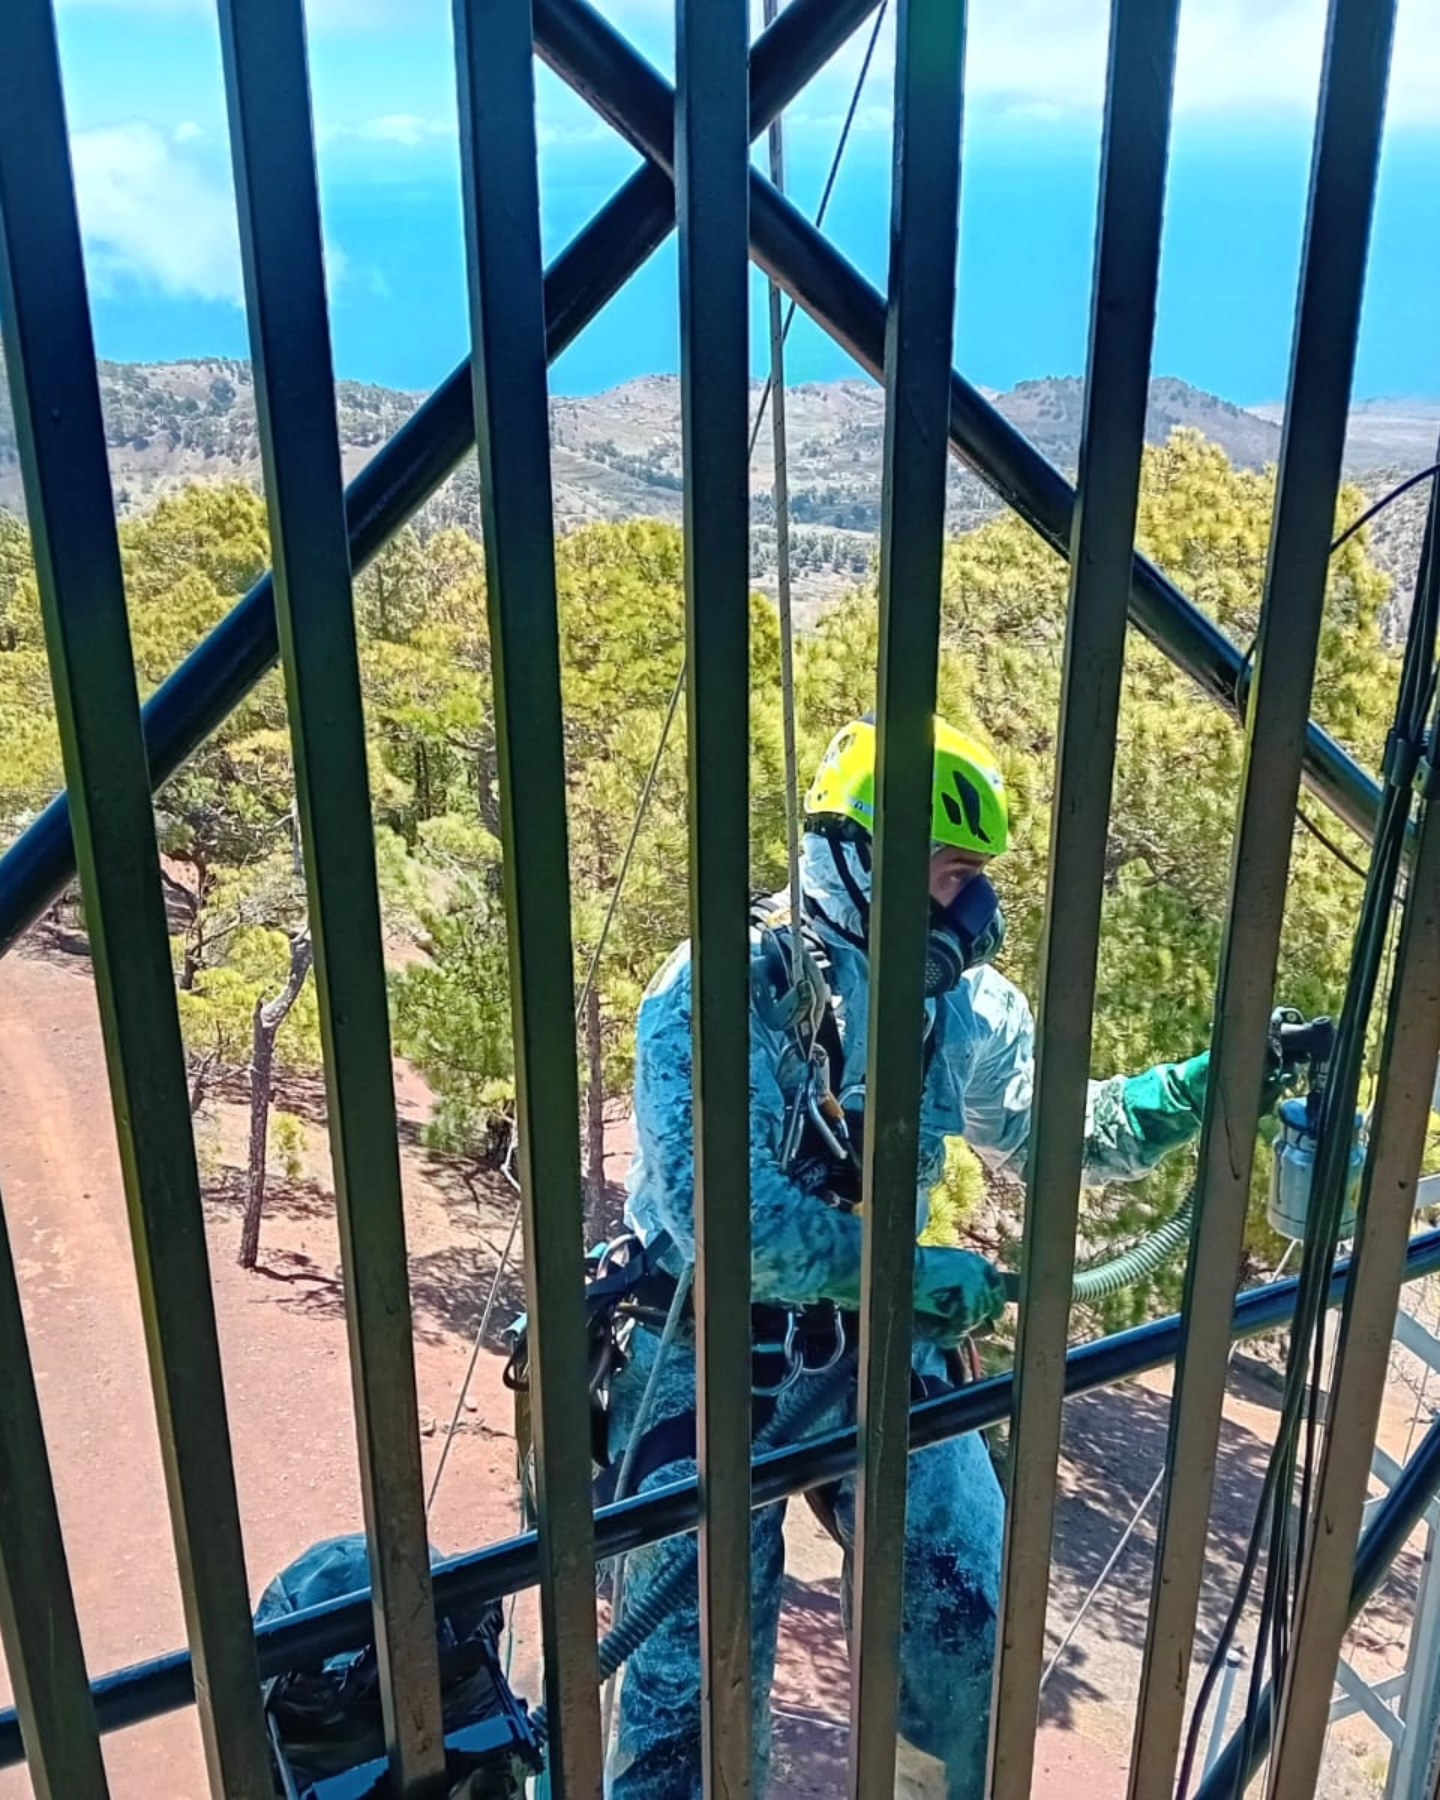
(674, 1440)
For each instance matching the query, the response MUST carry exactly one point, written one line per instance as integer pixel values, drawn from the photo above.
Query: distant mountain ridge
(617, 454)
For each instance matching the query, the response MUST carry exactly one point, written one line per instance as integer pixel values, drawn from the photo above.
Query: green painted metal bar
(272, 147)
(1397, 1135)
(583, 277)
(924, 240)
(125, 1697)
(507, 313)
(631, 96)
(1342, 191)
(1134, 154)
(712, 212)
(39, 1632)
(50, 356)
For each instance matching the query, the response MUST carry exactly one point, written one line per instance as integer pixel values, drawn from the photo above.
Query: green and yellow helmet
(968, 807)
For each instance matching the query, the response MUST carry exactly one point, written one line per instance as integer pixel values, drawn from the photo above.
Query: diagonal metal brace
(600, 65)
(593, 58)
(406, 471)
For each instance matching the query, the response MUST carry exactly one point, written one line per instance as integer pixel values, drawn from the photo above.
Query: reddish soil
(283, 1342)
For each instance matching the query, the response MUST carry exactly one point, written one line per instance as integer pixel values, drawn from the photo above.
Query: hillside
(617, 454)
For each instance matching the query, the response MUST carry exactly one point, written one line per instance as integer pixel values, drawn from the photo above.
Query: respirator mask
(964, 934)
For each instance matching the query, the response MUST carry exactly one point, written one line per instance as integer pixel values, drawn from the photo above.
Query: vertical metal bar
(924, 235)
(1139, 85)
(1390, 1526)
(272, 147)
(712, 167)
(1342, 191)
(507, 315)
(1397, 1141)
(39, 1632)
(51, 361)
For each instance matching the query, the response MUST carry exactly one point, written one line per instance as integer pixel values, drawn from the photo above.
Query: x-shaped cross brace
(628, 93)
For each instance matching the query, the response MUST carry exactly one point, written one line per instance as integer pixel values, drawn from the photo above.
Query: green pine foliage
(227, 820)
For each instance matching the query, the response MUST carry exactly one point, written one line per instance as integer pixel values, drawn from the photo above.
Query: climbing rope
(648, 788)
(783, 592)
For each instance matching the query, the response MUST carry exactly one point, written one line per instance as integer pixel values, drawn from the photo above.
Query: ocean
(1232, 246)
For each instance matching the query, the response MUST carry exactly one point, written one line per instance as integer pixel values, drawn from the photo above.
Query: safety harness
(628, 1283)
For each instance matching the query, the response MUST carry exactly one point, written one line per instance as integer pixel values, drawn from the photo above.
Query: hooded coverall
(978, 1086)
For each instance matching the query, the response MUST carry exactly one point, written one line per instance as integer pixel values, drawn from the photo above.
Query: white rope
(783, 587)
(1135, 1518)
(480, 1330)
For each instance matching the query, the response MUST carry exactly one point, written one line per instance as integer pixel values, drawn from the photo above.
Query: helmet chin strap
(967, 932)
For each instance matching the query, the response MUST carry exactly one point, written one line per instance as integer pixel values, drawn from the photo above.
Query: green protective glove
(956, 1293)
(1164, 1104)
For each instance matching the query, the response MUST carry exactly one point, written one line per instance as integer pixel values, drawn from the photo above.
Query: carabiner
(794, 1365)
(841, 1346)
(841, 1152)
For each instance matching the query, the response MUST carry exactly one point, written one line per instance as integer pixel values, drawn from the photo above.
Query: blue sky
(147, 116)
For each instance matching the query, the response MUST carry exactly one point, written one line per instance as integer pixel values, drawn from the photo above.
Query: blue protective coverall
(978, 1086)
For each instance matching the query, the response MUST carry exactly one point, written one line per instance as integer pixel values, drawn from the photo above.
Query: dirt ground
(283, 1343)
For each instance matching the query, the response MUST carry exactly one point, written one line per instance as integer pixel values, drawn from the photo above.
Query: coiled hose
(1141, 1260)
(644, 1617)
(1103, 1279)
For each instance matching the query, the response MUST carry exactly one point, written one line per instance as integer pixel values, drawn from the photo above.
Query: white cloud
(158, 211)
(1234, 56)
(1249, 55)
(153, 214)
(403, 128)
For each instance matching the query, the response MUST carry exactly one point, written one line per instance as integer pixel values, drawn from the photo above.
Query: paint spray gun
(1302, 1049)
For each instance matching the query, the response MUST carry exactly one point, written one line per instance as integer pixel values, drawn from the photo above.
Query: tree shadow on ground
(284, 1199)
(1114, 1443)
(60, 940)
(811, 1622)
(448, 1290)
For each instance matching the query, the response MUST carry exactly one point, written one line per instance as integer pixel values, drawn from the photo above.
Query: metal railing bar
(49, 346)
(591, 57)
(1347, 143)
(407, 470)
(130, 1696)
(1134, 154)
(39, 1632)
(712, 194)
(1367, 1332)
(273, 153)
(501, 186)
(1385, 1537)
(924, 242)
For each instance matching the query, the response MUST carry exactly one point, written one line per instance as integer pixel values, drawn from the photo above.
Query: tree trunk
(202, 1073)
(270, 1015)
(594, 1100)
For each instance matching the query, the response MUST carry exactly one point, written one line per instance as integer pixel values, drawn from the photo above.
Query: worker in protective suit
(979, 1077)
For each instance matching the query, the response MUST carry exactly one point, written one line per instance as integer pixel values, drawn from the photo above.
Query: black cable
(1385, 499)
(1329, 843)
(1304, 1373)
(1242, 676)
